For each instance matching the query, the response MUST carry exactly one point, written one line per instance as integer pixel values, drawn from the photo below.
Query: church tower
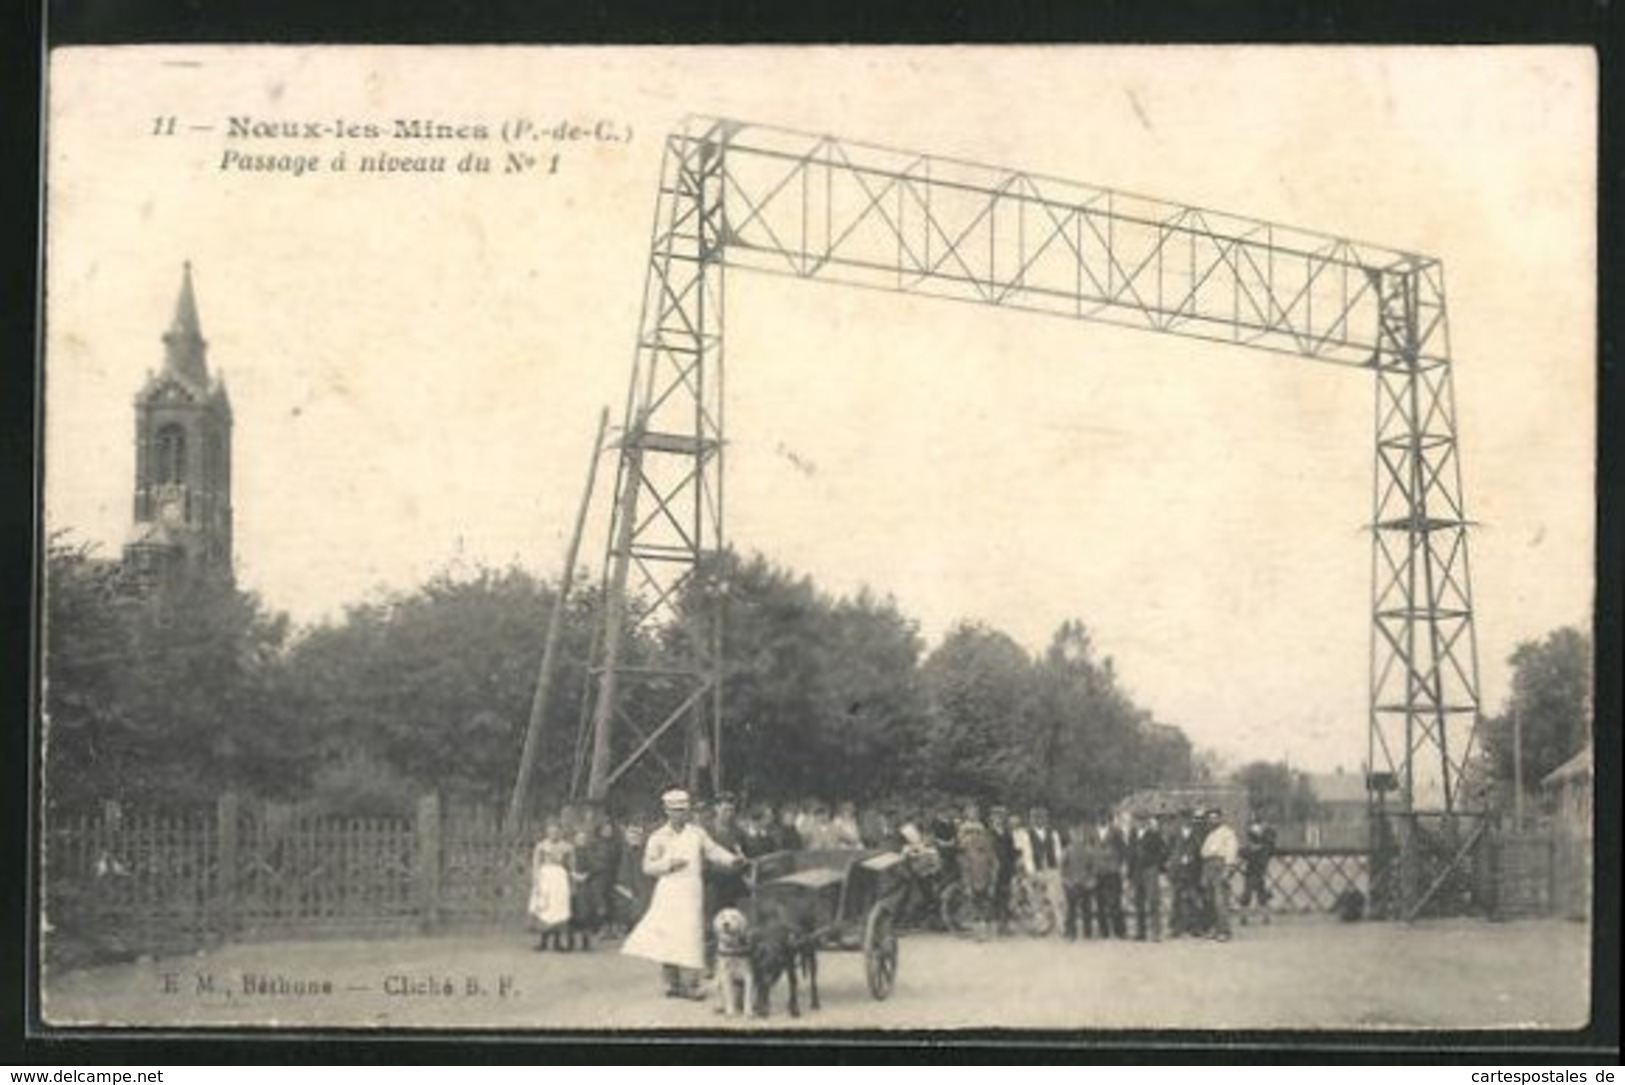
(182, 458)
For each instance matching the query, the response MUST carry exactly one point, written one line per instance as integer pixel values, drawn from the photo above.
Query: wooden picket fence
(117, 886)
(146, 883)
(152, 882)
(1537, 871)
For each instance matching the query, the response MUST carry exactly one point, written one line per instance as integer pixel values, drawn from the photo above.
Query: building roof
(1169, 801)
(184, 346)
(1578, 767)
(185, 375)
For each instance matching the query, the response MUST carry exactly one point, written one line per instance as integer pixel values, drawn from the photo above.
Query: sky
(417, 362)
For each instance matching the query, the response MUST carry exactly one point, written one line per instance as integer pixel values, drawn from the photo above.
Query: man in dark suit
(1256, 852)
(1185, 879)
(724, 888)
(1147, 855)
(1109, 885)
(756, 832)
(1004, 850)
(782, 829)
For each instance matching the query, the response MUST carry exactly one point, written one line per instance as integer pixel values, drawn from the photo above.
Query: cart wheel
(880, 950)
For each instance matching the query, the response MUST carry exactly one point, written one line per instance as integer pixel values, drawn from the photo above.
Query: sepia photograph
(723, 540)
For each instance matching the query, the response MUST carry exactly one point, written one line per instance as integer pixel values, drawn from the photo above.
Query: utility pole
(544, 678)
(615, 613)
(1517, 764)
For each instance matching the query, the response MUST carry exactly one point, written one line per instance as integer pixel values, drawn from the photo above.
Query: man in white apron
(672, 931)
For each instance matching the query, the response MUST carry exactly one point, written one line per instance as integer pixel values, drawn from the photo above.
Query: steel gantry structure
(747, 196)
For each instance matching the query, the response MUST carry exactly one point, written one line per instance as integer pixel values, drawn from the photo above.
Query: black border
(1423, 22)
(822, 21)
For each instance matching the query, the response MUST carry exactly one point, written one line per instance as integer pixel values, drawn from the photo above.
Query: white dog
(736, 978)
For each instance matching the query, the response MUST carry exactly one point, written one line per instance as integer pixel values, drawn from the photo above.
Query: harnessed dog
(736, 972)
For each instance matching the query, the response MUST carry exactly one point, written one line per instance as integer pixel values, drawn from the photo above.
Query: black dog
(783, 943)
(1349, 906)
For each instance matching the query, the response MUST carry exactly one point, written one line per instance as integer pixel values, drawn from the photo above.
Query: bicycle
(1031, 909)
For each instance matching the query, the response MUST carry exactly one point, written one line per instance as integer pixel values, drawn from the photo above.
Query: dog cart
(852, 895)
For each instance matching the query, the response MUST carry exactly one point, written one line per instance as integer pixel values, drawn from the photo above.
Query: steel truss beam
(818, 208)
(813, 207)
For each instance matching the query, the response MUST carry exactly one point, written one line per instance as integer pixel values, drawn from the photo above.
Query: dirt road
(1456, 974)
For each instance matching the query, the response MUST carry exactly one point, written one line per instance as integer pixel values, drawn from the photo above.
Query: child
(597, 859)
(552, 872)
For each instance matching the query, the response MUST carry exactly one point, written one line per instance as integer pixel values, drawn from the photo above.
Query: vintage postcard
(548, 539)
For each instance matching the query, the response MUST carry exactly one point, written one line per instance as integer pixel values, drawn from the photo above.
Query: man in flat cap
(672, 931)
(1188, 917)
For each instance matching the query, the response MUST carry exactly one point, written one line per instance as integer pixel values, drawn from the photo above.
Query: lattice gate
(301, 872)
(485, 872)
(1309, 880)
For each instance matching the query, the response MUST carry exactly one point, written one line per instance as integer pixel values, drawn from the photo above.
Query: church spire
(183, 343)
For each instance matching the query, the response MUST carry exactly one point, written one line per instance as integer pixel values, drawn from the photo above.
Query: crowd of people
(1170, 874)
(1096, 873)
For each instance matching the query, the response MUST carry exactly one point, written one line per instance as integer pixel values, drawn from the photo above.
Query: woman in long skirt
(552, 871)
(978, 869)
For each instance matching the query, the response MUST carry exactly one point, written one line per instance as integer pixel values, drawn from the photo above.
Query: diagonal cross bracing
(1424, 696)
(814, 207)
(671, 452)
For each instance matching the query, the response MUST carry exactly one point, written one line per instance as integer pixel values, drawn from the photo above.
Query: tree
(89, 737)
(776, 651)
(873, 707)
(1207, 766)
(1166, 756)
(1551, 697)
(430, 690)
(161, 696)
(1097, 744)
(821, 696)
(980, 731)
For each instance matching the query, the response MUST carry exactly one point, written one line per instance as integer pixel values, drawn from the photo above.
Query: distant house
(1341, 818)
(1567, 794)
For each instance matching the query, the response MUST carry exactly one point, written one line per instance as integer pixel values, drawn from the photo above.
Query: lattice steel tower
(812, 207)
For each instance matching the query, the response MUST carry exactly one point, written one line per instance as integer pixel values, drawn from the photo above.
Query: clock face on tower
(170, 511)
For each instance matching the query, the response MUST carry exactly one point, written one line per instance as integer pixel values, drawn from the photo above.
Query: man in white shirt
(1220, 852)
(1041, 849)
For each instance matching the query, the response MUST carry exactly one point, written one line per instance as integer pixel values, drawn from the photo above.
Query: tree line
(163, 699)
